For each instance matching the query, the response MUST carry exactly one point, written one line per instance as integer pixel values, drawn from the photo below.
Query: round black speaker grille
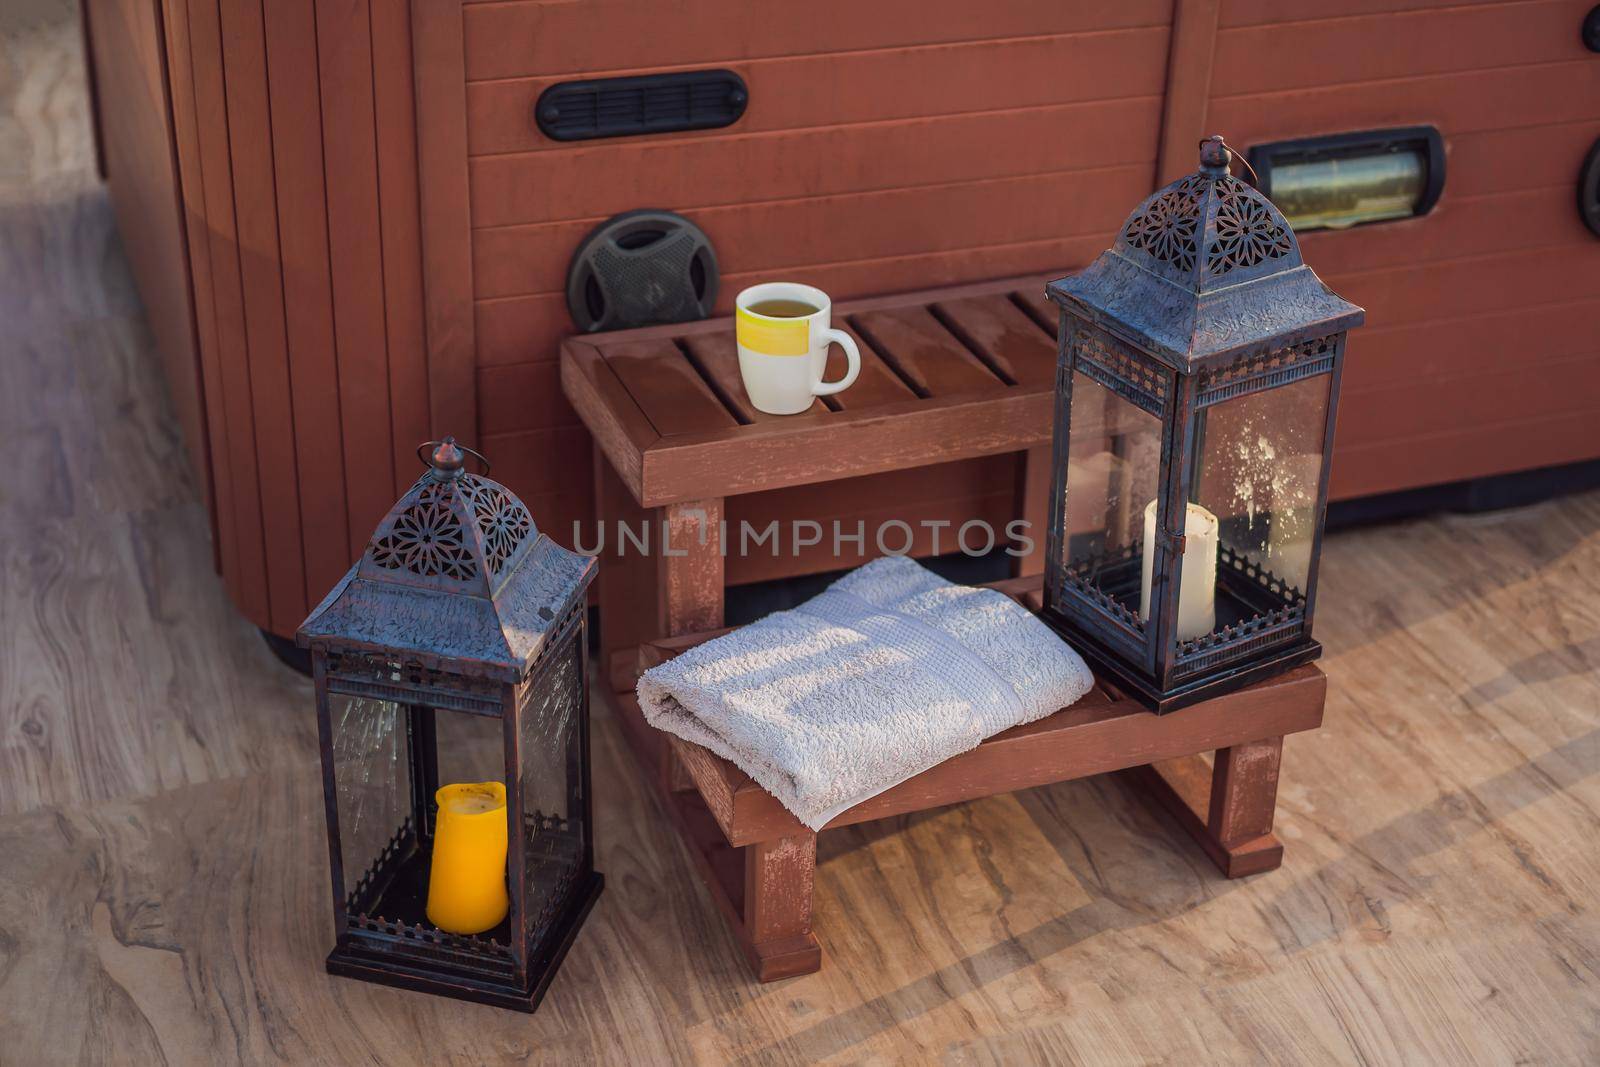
(641, 268)
(1591, 29)
(1589, 190)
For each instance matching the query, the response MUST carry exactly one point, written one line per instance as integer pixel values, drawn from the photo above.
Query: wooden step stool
(766, 893)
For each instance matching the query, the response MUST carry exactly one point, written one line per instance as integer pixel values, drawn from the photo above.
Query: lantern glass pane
(471, 747)
(372, 780)
(1259, 468)
(552, 783)
(1113, 472)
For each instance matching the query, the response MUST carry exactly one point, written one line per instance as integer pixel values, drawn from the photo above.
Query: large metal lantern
(453, 712)
(1196, 386)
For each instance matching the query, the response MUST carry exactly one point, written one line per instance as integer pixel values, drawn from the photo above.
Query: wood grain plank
(1012, 343)
(513, 40)
(244, 60)
(666, 387)
(355, 246)
(399, 214)
(766, 456)
(1190, 62)
(1383, 44)
(775, 235)
(924, 352)
(947, 92)
(876, 384)
(249, 590)
(717, 357)
(521, 329)
(192, 202)
(297, 161)
(439, 78)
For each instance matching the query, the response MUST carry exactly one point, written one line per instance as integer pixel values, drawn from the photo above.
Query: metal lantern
(1195, 395)
(454, 651)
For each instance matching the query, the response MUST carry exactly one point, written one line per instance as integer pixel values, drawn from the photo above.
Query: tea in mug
(783, 309)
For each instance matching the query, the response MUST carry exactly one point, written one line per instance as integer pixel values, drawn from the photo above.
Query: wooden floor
(162, 864)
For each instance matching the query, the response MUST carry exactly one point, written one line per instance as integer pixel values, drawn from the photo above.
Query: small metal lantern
(455, 651)
(1195, 394)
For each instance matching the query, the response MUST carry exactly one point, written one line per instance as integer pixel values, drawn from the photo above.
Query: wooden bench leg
(1229, 809)
(779, 877)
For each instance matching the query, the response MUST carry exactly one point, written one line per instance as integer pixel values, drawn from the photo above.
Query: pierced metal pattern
(427, 538)
(411, 682)
(503, 521)
(1238, 642)
(1246, 231)
(1267, 371)
(1141, 383)
(1169, 227)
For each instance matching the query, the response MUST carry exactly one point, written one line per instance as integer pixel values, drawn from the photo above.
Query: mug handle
(851, 353)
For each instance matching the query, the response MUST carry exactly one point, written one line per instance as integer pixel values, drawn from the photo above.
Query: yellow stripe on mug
(772, 337)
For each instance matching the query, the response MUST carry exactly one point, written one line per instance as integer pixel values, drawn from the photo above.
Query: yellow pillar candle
(467, 885)
(1197, 583)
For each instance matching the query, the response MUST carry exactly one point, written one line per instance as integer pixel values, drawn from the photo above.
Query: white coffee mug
(783, 353)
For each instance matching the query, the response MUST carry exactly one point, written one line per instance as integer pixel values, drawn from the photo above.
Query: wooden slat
(1471, 286)
(509, 40)
(772, 456)
(593, 181)
(244, 61)
(924, 352)
(876, 384)
(1544, 440)
(1455, 103)
(522, 396)
(438, 58)
(946, 92)
(666, 387)
(1517, 389)
(1458, 228)
(135, 134)
(1012, 342)
(398, 211)
(620, 428)
(1280, 12)
(1384, 44)
(1188, 90)
(520, 329)
(355, 244)
(1521, 157)
(191, 172)
(298, 174)
(772, 236)
(237, 464)
(717, 354)
(1522, 336)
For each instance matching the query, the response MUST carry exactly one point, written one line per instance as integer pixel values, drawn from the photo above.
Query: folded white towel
(888, 672)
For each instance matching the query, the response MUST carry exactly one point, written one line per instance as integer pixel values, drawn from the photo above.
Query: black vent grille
(649, 103)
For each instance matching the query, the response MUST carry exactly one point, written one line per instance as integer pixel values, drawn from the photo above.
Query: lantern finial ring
(447, 457)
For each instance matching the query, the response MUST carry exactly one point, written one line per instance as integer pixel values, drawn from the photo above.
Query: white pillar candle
(1197, 588)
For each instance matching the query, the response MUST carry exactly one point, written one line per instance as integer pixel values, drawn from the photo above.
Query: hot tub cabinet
(352, 235)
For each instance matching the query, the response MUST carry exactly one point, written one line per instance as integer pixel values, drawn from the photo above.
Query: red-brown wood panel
(398, 207)
(1480, 315)
(1395, 45)
(344, 53)
(511, 40)
(185, 121)
(297, 160)
(238, 464)
(774, 236)
(138, 141)
(599, 179)
(244, 61)
(519, 329)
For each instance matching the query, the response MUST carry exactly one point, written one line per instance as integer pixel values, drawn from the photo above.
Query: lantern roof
(1205, 271)
(456, 574)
